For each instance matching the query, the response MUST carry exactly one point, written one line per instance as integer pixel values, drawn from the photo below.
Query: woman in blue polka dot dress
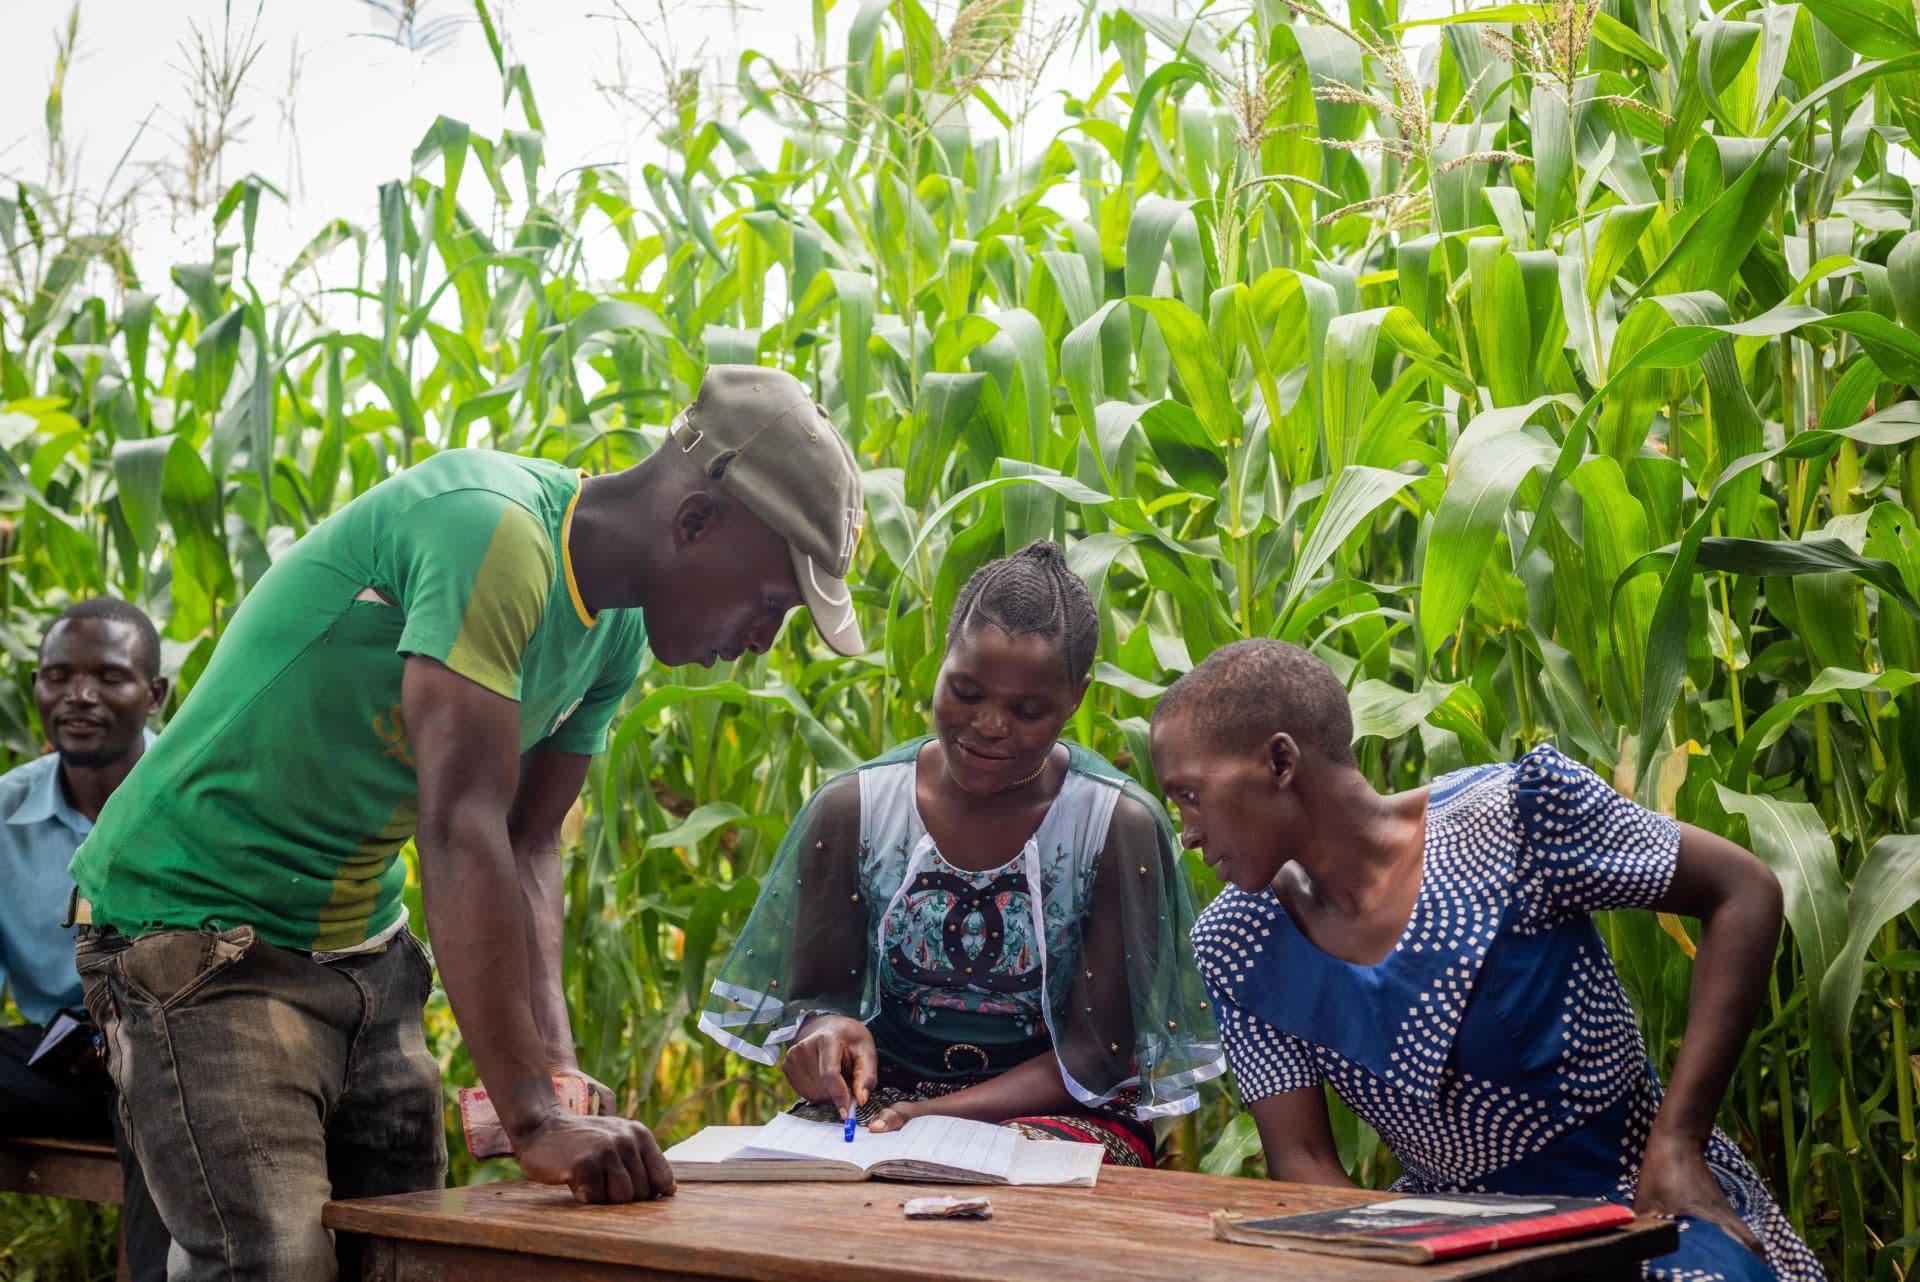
(1432, 957)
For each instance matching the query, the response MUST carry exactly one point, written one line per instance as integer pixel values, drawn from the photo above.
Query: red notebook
(1427, 1229)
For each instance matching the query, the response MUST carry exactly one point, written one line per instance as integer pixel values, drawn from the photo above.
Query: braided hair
(1032, 593)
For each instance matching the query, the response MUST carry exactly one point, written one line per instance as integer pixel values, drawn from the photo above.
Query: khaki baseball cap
(758, 432)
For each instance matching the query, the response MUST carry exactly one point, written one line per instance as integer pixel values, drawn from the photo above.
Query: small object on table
(948, 1208)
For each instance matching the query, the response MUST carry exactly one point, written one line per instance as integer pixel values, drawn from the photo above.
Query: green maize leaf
(1895, 350)
(1726, 74)
(1620, 38)
(1705, 247)
(262, 406)
(1116, 429)
(1384, 710)
(1871, 28)
(1464, 716)
(1825, 604)
(1493, 456)
(191, 501)
(1181, 443)
(1830, 686)
(612, 316)
(1092, 558)
(1551, 122)
(1571, 699)
(1120, 679)
(1187, 38)
(1886, 885)
(139, 471)
(947, 405)
(1614, 535)
(1083, 366)
(1903, 275)
(1195, 359)
(1297, 310)
(1154, 220)
(1458, 182)
(393, 239)
(1030, 391)
(703, 823)
(1355, 495)
(1238, 1141)
(1792, 838)
(1502, 319)
(826, 747)
(1146, 105)
(855, 295)
(1809, 556)
(1666, 642)
(1621, 230)
(883, 490)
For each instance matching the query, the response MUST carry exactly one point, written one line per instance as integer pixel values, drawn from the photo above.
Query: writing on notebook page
(941, 1141)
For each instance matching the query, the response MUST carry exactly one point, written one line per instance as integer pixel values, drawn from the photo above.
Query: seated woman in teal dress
(1432, 957)
(986, 922)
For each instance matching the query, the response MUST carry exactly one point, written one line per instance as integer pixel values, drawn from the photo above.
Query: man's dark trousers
(36, 1103)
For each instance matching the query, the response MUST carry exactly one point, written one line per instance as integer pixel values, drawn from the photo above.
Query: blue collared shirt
(39, 831)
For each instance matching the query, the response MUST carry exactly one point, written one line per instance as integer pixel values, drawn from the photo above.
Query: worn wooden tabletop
(1133, 1224)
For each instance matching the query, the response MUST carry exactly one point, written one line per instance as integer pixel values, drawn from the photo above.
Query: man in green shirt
(439, 661)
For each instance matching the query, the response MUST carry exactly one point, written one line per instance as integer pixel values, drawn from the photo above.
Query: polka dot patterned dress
(1494, 1048)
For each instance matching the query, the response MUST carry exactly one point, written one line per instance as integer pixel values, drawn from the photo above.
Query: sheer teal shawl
(1124, 1005)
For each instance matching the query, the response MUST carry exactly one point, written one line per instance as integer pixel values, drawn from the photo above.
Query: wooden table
(84, 1170)
(1133, 1224)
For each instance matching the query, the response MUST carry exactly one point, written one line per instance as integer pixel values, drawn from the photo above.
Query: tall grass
(1553, 380)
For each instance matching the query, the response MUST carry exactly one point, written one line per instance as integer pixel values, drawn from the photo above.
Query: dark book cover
(1427, 1229)
(66, 1048)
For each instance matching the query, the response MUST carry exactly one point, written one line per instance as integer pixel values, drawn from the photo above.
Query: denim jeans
(256, 1083)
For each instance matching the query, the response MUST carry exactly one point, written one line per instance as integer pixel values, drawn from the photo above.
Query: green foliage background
(1556, 383)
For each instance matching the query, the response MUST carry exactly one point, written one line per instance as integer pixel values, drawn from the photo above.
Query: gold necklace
(1021, 783)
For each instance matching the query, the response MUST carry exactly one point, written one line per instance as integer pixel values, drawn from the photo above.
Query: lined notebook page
(713, 1144)
(980, 1148)
(1055, 1162)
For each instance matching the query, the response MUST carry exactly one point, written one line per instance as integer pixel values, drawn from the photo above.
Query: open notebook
(937, 1150)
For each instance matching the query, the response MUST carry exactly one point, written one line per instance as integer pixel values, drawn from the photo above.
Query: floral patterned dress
(964, 953)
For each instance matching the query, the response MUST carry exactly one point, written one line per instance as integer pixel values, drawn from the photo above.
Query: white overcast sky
(333, 107)
(359, 103)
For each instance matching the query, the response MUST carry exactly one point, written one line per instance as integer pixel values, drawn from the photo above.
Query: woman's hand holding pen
(833, 1060)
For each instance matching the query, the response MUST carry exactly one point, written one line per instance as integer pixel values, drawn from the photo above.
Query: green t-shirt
(280, 795)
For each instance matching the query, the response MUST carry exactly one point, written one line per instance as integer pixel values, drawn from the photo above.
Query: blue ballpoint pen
(846, 1130)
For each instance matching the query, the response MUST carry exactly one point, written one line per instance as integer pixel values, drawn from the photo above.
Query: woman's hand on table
(833, 1061)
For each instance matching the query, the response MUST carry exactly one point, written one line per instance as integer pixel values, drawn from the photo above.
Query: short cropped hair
(1243, 694)
(1032, 593)
(113, 610)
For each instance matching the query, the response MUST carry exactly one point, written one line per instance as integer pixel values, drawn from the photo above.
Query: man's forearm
(542, 889)
(479, 929)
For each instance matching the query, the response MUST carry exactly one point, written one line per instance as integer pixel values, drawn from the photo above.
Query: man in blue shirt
(97, 682)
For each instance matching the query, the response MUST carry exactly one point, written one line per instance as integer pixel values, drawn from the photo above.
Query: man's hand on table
(602, 1159)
